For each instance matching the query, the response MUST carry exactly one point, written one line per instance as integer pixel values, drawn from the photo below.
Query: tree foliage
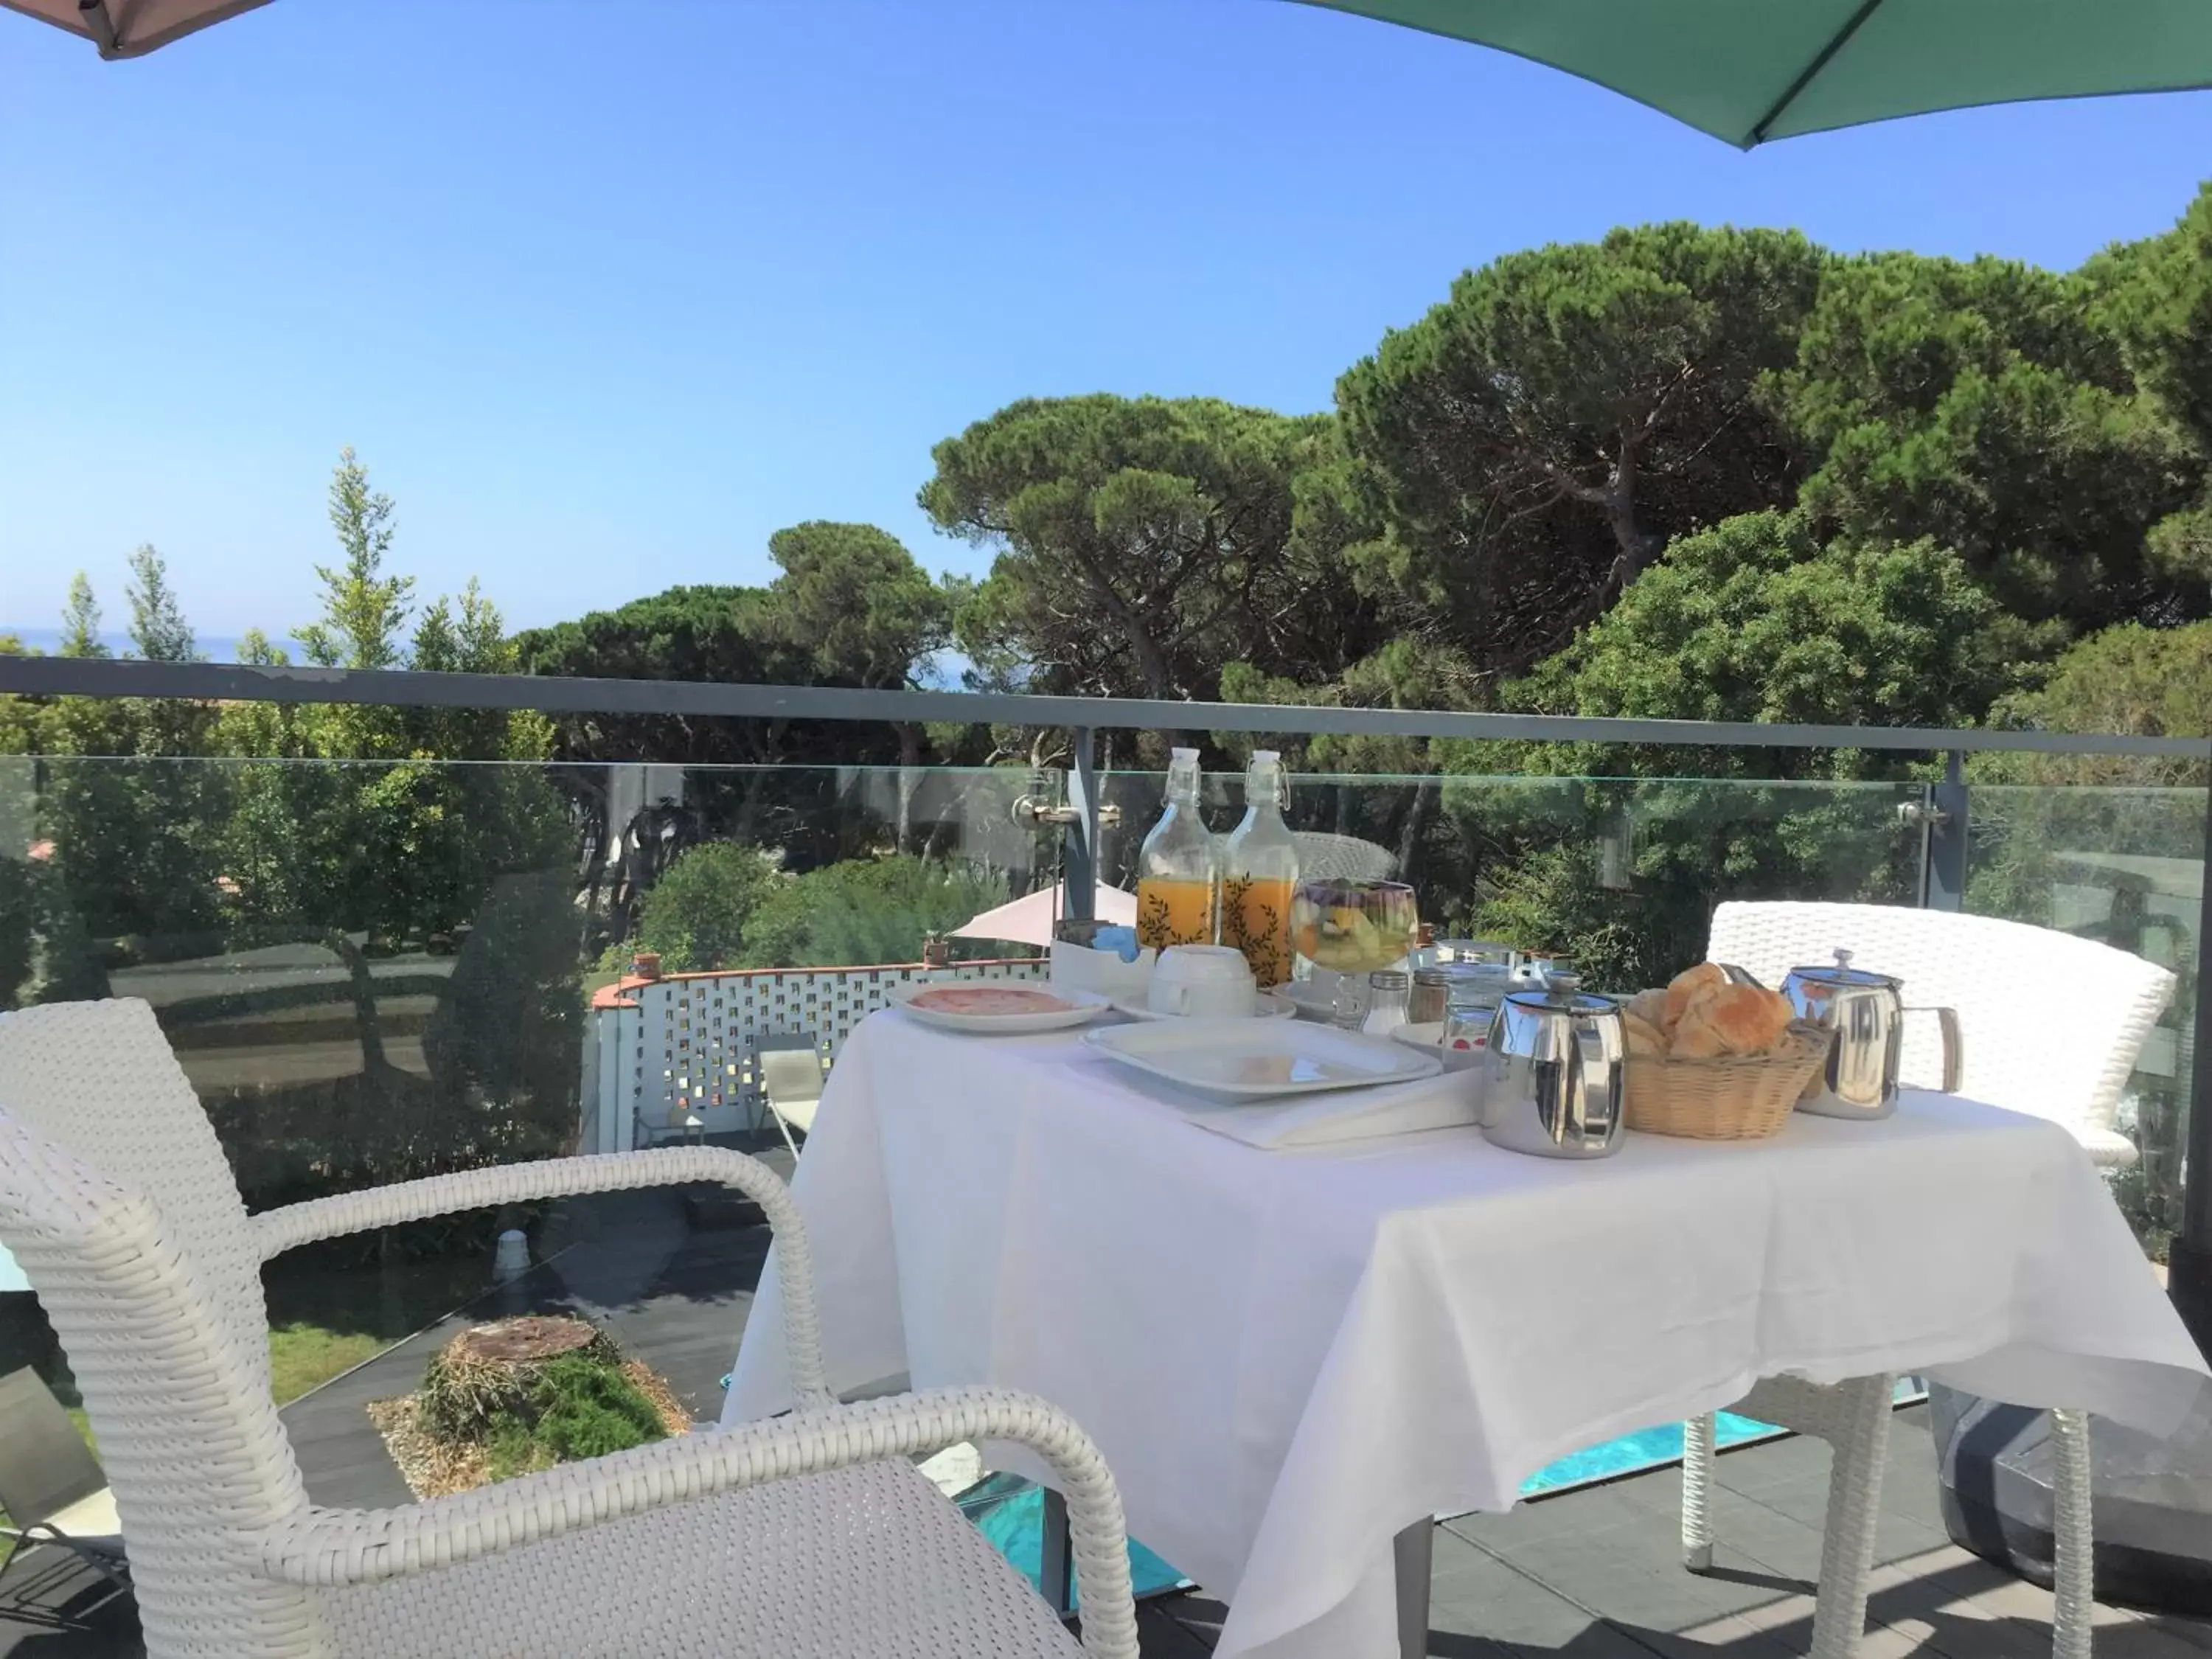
(850, 607)
(2138, 681)
(1144, 542)
(364, 610)
(1981, 405)
(1528, 446)
(1755, 620)
(870, 910)
(697, 915)
(166, 830)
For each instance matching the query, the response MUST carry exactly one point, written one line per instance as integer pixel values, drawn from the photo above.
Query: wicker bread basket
(1728, 1097)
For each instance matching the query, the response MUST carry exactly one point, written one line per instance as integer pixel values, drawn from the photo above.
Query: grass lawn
(323, 1322)
(303, 1357)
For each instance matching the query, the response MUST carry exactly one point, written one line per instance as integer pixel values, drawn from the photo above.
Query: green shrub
(579, 1406)
(586, 1409)
(467, 1399)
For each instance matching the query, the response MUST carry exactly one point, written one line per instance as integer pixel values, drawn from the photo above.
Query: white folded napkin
(1444, 1102)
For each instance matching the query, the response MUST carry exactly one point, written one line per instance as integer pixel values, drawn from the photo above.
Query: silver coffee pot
(1552, 1078)
(1865, 1014)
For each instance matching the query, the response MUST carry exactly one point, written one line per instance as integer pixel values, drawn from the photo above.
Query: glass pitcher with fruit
(1352, 927)
(1259, 873)
(1178, 869)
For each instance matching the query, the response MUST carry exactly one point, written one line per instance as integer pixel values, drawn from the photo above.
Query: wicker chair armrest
(332, 1548)
(275, 1231)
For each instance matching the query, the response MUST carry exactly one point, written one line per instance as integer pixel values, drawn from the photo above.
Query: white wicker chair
(810, 1535)
(1342, 857)
(1976, 965)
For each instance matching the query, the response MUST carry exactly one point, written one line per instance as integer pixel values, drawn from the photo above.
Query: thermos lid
(1840, 972)
(1561, 993)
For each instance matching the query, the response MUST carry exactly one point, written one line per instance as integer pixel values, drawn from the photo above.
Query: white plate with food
(1260, 1058)
(997, 1009)
(1268, 1004)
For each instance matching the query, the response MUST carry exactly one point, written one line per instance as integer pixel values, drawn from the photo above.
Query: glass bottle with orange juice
(1260, 870)
(1178, 869)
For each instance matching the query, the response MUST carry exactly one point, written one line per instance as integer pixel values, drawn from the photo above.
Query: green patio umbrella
(1749, 70)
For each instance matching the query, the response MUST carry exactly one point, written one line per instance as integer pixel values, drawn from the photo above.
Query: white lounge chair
(1988, 970)
(791, 1084)
(809, 1534)
(50, 1484)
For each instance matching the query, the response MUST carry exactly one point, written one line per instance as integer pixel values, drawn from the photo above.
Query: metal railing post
(2189, 1268)
(1943, 840)
(1078, 848)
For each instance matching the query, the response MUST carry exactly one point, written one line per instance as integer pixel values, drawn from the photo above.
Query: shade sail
(127, 28)
(1028, 920)
(1749, 70)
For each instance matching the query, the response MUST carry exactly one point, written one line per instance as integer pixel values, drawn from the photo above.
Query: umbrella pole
(98, 24)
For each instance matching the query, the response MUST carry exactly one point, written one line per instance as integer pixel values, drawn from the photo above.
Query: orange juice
(1174, 912)
(1255, 918)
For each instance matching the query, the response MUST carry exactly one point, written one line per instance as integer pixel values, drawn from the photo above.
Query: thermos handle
(1591, 1059)
(1954, 1045)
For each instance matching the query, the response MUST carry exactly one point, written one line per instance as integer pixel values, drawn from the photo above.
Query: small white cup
(1204, 981)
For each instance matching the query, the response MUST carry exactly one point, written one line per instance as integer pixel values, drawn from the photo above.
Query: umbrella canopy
(1749, 71)
(127, 28)
(1028, 920)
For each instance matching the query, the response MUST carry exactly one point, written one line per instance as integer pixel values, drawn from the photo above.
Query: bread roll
(1644, 1038)
(1682, 990)
(1650, 1008)
(1734, 1020)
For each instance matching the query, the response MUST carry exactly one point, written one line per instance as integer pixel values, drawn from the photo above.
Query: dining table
(1298, 1329)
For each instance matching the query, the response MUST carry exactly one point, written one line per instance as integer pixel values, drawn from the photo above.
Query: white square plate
(1260, 1058)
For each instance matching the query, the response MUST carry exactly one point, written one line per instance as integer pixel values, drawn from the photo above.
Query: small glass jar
(1386, 990)
(1467, 1025)
(1471, 1007)
(1430, 995)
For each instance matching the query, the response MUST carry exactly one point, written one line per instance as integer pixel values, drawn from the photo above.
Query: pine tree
(158, 628)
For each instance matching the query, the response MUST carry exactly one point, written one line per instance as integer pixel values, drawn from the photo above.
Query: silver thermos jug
(1552, 1078)
(1865, 1014)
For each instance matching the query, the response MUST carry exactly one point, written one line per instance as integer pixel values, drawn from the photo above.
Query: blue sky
(604, 291)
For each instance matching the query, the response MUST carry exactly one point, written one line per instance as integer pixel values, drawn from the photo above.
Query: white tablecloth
(1287, 1356)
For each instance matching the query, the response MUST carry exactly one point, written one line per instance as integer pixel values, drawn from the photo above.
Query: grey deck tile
(1634, 1578)
(1474, 1592)
(1196, 1615)
(2120, 1633)
(1160, 1635)
(1574, 1512)
(1931, 1602)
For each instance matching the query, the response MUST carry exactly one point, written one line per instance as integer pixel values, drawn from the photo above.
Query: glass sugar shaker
(1387, 989)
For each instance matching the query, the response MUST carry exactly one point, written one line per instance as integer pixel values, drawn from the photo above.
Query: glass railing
(2125, 866)
(371, 972)
(1619, 875)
